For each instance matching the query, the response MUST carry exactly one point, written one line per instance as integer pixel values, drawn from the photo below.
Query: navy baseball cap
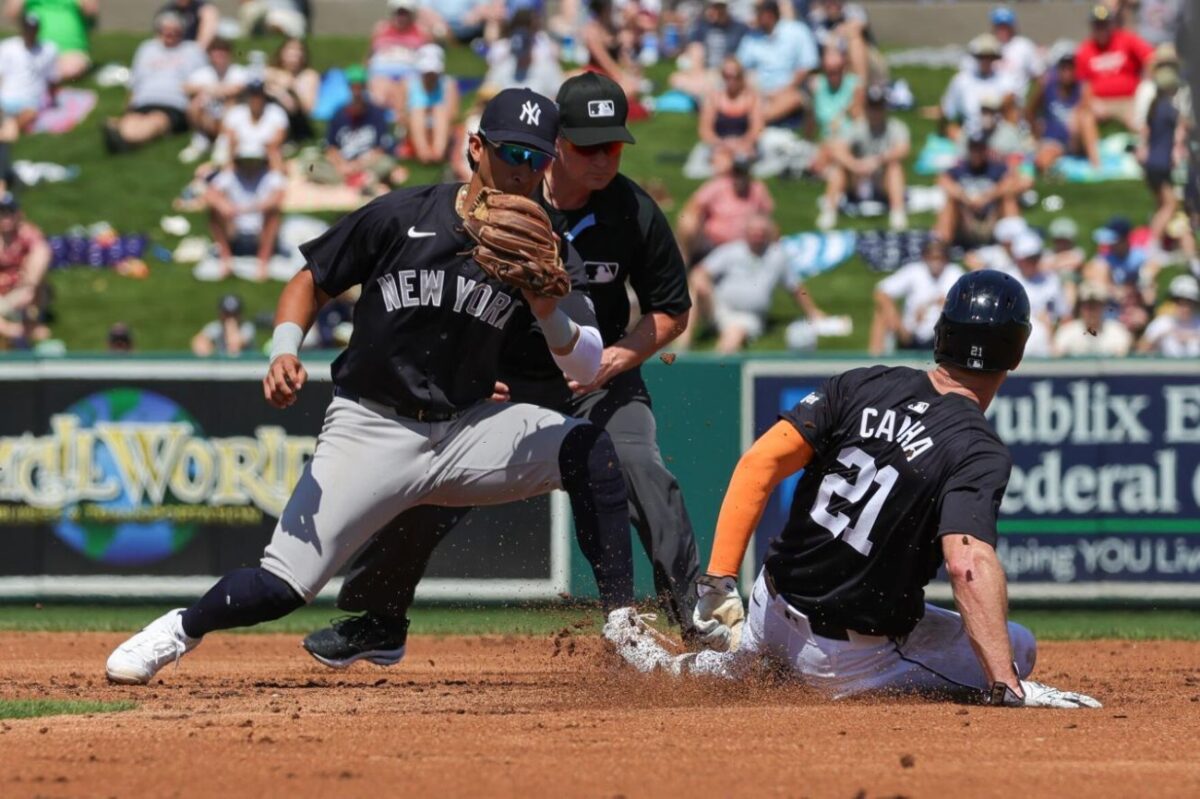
(593, 109)
(1115, 229)
(230, 305)
(9, 203)
(521, 116)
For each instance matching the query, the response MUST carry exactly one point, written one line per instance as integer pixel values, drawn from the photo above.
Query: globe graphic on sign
(123, 543)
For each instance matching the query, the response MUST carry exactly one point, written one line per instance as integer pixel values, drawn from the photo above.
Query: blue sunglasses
(517, 155)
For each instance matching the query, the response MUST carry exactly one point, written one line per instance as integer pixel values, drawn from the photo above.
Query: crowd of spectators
(791, 88)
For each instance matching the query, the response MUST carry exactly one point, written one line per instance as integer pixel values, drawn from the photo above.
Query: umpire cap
(984, 324)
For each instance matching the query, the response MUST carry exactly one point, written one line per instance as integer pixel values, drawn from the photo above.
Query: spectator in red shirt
(721, 209)
(1112, 61)
(24, 260)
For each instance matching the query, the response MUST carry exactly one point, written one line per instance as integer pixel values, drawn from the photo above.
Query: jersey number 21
(856, 535)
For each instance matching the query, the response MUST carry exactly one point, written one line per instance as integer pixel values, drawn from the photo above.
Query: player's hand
(501, 392)
(719, 615)
(612, 363)
(1038, 695)
(285, 377)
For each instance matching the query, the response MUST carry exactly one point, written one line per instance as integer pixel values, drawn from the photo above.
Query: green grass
(33, 708)
(1053, 625)
(134, 191)
(432, 620)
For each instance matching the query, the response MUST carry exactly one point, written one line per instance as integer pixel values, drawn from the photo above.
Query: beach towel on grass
(810, 254)
(71, 107)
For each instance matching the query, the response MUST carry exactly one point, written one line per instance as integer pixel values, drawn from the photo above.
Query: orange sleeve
(781, 452)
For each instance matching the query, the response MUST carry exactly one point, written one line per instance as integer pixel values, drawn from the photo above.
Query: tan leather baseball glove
(515, 242)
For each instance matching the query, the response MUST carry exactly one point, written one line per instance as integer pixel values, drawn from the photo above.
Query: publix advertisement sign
(1104, 495)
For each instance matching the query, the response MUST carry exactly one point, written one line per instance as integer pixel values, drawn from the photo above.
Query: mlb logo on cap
(601, 108)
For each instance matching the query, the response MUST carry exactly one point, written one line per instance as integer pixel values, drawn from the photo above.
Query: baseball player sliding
(447, 274)
(623, 239)
(901, 473)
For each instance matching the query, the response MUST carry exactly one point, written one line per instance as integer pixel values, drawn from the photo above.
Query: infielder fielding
(623, 238)
(412, 421)
(901, 473)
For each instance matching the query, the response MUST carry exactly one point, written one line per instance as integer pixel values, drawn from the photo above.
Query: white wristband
(286, 340)
(582, 364)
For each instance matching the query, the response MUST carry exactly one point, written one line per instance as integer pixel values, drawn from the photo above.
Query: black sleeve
(660, 281)
(970, 501)
(347, 253)
(816, 416)
(578, 304)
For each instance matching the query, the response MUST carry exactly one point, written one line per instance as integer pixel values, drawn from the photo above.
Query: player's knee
(1024, 648)
(588, 461)
(275, 593)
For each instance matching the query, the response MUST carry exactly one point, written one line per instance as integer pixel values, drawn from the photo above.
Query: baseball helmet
(984, 324)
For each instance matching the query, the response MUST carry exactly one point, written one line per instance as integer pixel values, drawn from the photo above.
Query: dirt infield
(553, 716)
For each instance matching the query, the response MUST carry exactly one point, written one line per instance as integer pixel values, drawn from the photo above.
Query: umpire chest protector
(622, 235)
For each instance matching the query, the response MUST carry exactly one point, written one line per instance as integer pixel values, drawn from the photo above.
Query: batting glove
(1038, 695)
(719, 614)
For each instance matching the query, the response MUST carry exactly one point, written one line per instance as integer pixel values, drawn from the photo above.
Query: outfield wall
(147, 477)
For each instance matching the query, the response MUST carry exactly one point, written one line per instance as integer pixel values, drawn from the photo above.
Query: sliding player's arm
(778, 454)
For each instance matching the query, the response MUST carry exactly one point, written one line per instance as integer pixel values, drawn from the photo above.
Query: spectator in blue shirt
(358, 144)
(780, 54)
(1128, 271)
(715, 36)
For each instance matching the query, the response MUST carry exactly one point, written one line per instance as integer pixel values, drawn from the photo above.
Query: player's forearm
(652, 332)
(781, 452)
(576, 349)
(981, 594)
(300, 300)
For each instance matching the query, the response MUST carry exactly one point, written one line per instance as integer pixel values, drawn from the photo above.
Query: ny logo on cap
(601, 108)
(531, 113)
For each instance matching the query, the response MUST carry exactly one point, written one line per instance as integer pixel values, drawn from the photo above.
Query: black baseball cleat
(352, 638)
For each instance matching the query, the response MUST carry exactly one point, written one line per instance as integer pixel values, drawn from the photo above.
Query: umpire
(624, 240)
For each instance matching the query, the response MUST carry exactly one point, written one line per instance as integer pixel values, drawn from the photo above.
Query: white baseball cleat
(636, 642)
(160, 642)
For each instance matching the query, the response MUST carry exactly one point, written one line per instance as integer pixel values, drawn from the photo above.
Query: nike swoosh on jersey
(413, 233)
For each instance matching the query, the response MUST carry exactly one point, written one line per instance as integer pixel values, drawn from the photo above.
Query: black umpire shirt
(430, 324)
(896, 467)
(622, 236)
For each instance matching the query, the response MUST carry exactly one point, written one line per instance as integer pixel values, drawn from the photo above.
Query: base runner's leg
(501, 453)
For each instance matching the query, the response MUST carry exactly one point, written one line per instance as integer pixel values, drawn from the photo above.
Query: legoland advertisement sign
(147, 478)
(1104, 496)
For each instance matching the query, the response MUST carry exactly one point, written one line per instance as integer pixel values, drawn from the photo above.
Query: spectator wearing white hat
(245, 208)
(1175, 332)
(1092, 333)
(960, 103)
(228, 334)
(1047, 302)
(431, 97)
(921, 286)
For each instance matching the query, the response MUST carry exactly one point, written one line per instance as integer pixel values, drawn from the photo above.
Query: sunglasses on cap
(609, 148)
(519, 155)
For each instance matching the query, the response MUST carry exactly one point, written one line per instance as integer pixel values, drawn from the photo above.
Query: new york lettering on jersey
(430, 323)
(896, 466)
